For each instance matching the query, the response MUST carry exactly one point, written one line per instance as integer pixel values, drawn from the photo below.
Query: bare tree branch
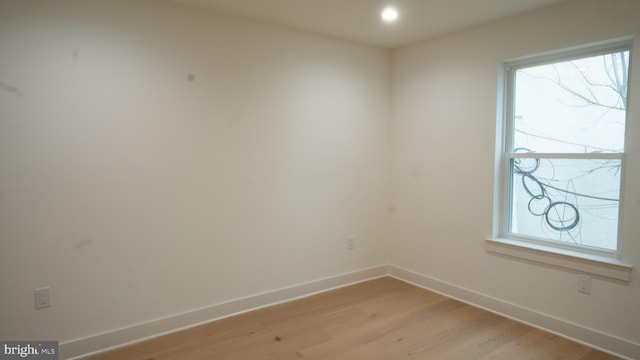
(617, 83)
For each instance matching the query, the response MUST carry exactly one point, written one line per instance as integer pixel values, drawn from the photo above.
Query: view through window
(565, 147)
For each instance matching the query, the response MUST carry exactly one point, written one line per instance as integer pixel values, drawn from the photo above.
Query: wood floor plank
(379, 319)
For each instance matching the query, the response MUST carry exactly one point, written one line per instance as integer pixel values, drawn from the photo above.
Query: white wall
(443, 144)
(137, 194)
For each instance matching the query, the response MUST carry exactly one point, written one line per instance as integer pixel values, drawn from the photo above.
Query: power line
(564, 141)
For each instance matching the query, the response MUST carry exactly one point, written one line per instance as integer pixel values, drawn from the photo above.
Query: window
(563, 148)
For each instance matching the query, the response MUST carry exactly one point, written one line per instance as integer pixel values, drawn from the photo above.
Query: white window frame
(598, 262)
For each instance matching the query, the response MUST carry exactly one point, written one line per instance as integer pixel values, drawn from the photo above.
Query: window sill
(597, 265)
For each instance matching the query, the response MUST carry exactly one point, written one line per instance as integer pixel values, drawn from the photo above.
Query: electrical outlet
(584, 284)
(351, 242)
(43, 297)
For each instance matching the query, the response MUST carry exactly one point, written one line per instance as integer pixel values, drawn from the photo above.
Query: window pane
(575, 106)
(569, 200)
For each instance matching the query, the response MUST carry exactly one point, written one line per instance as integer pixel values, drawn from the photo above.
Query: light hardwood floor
(378, 319)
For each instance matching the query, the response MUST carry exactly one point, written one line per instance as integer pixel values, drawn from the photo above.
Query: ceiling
(359, 20)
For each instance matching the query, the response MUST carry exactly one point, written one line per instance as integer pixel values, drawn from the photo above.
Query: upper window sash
(546, 58)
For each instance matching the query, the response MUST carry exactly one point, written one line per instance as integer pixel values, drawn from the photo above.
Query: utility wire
(564, 141)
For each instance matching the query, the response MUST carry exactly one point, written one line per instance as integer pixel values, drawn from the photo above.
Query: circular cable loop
(527, 178)
(516, 163)
(544, 212)
(542, 194)
(571, 226)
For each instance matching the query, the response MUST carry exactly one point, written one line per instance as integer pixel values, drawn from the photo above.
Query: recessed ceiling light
(389, 14)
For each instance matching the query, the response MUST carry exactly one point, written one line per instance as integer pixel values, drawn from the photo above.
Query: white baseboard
(601, 341)
(79, 348)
